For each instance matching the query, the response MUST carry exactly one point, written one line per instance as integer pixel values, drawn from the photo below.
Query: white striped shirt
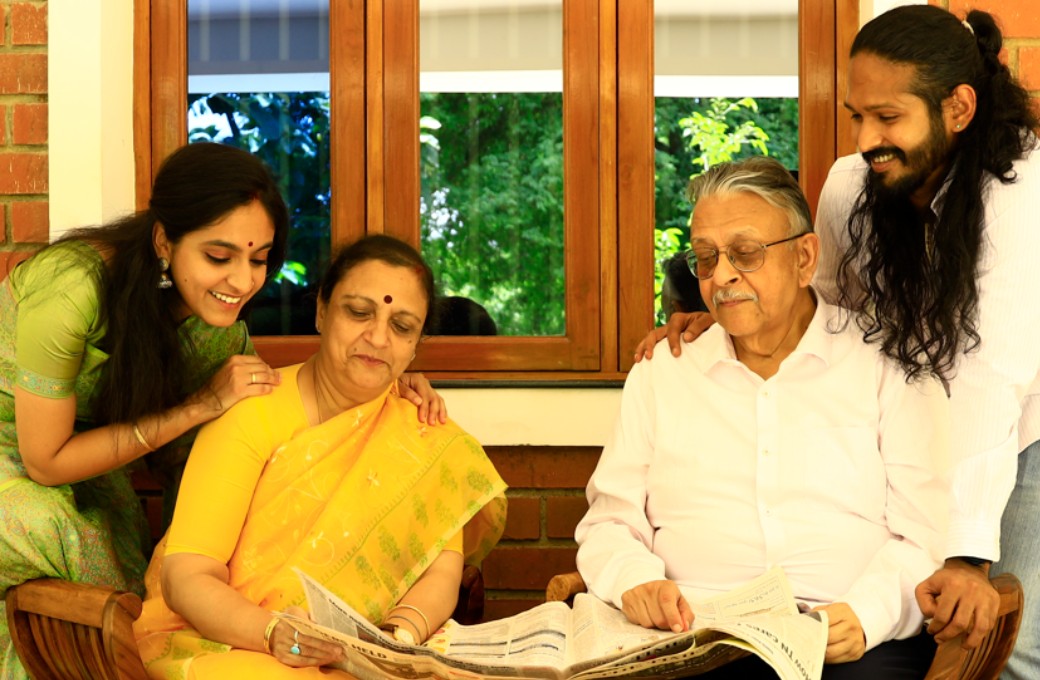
(995, 394)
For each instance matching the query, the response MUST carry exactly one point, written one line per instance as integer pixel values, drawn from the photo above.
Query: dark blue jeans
(896, 660)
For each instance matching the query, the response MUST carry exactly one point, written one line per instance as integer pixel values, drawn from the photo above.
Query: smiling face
(754, 307)
(218, 268)
(370, 327)
(907, 145)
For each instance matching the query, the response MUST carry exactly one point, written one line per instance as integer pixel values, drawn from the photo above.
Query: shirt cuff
(633, 574)
(974, 539)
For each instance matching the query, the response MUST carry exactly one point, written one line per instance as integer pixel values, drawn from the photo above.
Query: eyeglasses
(745, 256)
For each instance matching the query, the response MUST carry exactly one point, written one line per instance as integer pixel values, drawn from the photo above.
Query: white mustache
(730, 295)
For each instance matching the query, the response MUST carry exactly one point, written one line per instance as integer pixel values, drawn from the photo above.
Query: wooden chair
(72, 631)
(951, 661)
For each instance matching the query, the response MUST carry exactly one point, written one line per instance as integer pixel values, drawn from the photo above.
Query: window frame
(608, 137)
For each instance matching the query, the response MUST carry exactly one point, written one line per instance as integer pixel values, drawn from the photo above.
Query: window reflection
(258, 78)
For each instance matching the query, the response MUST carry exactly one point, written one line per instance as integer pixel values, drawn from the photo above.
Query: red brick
(1016, 18)
(1029, 67)
(563, 514)
(30, 222)
(29, 24)
(3, 226)
(509, 606)
(526, 568)
(9, 259)
(545, 467)
(3, 114)
(524, 520)
(23, 73)
(23, 173)
(29, 124)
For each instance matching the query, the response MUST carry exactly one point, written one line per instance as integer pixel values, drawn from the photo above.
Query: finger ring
(295, 649)
(252, 378)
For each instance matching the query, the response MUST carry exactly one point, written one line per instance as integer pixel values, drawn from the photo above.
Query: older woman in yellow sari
(333, 474)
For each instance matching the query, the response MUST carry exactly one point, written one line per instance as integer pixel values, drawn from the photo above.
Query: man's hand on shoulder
(687, 326)
(846, 640)
(657, 604)
(959, 598)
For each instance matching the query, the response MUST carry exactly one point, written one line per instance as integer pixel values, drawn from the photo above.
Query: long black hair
(925, 299)
(196, 186)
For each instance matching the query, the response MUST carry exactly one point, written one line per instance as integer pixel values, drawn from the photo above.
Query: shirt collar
(714, 350)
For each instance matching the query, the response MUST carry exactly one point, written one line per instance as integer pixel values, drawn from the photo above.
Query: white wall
(868, 9)
(90, 76)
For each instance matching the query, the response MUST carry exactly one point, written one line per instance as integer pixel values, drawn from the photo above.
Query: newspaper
(591, 640)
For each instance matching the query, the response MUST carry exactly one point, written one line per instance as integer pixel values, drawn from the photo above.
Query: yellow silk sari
(363, 503)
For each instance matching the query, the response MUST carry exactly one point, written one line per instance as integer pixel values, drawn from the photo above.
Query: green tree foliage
(492, 204)
(290, 132)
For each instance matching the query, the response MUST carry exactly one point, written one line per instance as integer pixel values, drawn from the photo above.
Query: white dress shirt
(995, 394)
(832, 468)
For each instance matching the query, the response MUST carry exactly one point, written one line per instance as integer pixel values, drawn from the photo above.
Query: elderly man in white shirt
(777, 438)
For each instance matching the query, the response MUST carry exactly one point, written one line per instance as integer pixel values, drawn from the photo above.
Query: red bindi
(387, 299)
(250, 244)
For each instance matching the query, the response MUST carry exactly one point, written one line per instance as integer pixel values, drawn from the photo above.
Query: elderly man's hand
(657, 604)
(688, 326)
(959, 598)
(846, 640)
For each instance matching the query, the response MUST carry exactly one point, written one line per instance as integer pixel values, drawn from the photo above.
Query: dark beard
(920, 161)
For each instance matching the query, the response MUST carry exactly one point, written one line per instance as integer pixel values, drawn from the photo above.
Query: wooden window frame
(608, 136)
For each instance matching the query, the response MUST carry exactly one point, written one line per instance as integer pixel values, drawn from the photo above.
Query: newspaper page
(592, 640)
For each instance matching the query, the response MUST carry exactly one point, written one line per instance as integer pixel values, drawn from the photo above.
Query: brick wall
(1020, 22)
(546, 500)
(23, 131)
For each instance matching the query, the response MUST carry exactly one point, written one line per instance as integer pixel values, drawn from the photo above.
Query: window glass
(726, 87)
(258, 78)
(491, 154)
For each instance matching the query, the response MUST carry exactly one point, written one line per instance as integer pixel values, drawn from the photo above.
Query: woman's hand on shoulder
(687, 326)
(417, 389)
(241, 376)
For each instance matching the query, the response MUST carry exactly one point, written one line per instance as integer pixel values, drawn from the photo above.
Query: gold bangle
(418, 611)
(267, 633)
(140, 438)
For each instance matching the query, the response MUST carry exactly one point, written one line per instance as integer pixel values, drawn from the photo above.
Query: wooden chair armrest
(74, 602)
(470, 606)
(985, 662)
(563, 587)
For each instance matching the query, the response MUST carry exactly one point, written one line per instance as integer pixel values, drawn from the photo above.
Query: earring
(164, 279)
(959, 126)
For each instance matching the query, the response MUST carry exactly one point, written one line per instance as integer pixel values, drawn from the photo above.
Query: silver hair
(762, 176)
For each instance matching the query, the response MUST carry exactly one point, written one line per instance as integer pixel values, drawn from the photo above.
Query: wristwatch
(974, 561)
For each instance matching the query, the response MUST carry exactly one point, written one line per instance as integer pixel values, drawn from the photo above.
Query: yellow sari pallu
(363, 503)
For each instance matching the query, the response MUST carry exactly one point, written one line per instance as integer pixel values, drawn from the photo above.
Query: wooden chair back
(72, 631)
(951, 661)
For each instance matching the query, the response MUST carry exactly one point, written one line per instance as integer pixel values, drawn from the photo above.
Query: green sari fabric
(51, 339)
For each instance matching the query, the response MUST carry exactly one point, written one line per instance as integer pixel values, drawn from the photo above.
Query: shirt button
(765, 452)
